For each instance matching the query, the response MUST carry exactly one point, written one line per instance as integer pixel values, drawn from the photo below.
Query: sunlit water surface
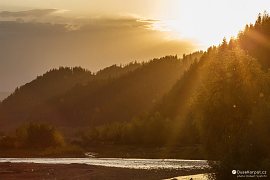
(117, 162)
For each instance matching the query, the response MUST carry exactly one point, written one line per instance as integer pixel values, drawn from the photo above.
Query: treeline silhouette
(255, 40)
(20, 104)
(75, 97)
(218, 100)
(37, 140)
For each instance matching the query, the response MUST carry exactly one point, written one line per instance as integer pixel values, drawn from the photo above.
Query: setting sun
(207, 22)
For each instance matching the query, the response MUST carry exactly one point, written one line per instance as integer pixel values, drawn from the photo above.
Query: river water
(118, 162)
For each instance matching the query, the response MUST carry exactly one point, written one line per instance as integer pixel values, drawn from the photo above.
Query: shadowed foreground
(76, 171)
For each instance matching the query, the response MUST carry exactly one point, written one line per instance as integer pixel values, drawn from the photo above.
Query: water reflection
(117, 162)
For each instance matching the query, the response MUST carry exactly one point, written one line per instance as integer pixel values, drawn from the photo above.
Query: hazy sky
(37, 35)
(206, 21)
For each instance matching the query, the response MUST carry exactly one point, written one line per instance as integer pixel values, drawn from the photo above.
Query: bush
(38, 136)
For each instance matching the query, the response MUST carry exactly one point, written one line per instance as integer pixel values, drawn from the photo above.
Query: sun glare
(204, 35)
(208, 22)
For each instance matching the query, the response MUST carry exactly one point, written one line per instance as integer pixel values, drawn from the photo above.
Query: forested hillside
(70, 97)
(20, 105)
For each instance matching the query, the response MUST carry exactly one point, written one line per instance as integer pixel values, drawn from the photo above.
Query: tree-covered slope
(76, 97)
(23, 102)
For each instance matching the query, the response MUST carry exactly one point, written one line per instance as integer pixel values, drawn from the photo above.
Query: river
(117, 162)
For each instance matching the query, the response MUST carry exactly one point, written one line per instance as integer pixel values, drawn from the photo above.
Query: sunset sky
(38, 35)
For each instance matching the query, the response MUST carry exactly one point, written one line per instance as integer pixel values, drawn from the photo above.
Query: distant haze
(29, 48)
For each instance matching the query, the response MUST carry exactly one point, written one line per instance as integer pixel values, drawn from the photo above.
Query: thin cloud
(30, 48)
(28, 13)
